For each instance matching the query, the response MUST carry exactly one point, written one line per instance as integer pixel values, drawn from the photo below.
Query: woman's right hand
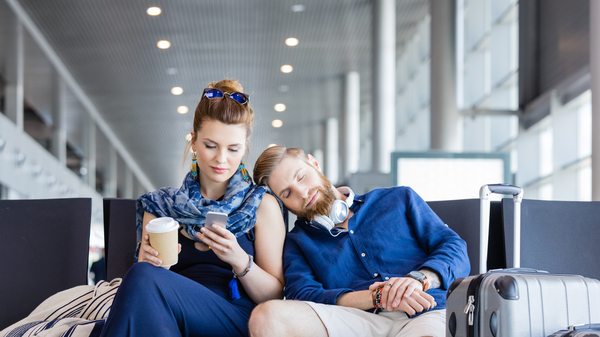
(149, 254)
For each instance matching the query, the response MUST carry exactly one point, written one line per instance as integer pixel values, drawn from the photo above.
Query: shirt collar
(359, 200)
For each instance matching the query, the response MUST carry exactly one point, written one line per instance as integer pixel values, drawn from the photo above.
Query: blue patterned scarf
(187, 206)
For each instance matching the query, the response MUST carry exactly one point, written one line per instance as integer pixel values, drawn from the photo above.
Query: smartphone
(216, 218)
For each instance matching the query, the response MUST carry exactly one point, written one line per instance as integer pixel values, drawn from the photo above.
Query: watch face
(417, 275)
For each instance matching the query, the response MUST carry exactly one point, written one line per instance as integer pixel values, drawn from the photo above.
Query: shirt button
(375, 274)
(351, 232)
(387, 278)
(363, 254)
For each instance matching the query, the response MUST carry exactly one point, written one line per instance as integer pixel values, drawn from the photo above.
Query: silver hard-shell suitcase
(517, 302)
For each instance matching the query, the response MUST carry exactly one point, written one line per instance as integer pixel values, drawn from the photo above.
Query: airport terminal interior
(98, 97)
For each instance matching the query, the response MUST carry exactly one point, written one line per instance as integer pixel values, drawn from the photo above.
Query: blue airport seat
(556, 236)
(44, 247)
(119, 236)
(462, 216)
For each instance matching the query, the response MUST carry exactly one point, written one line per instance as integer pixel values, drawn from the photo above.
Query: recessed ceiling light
(279, 107)
(286, 68)
(271, 145)
(277, 123)
(182, 109)
(163, 44)
(177, 90)
(153, 11)
(298, 8)
(291, 41)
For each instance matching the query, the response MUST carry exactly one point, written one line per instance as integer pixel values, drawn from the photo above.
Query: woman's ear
(246, 152)
(192, 140)
(313, 162)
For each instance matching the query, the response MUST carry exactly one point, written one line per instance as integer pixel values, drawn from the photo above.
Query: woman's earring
(194, 167)
(245, 174)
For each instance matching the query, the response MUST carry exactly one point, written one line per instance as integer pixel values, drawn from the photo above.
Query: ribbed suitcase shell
(519, 303)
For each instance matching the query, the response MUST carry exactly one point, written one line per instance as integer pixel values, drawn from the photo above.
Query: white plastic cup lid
(161, 225)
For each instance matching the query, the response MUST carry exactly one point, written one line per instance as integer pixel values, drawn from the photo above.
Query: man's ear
(313, 162)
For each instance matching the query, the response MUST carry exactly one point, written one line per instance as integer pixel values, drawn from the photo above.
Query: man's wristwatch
(419, 276)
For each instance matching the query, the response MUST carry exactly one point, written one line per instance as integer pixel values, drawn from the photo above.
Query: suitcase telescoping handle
(484, 199)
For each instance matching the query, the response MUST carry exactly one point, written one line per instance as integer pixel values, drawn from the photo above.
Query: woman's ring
(389, 284)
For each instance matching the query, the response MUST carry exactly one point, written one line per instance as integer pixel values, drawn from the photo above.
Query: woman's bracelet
(236, 275)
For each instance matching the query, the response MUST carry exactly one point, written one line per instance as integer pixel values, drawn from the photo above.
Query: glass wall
(487, 72)
(556, 152)
(551, 159)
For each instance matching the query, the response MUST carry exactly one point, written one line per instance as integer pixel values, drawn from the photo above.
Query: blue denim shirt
(392, 232)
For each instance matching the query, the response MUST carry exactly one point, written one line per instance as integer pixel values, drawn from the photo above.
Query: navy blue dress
(190, 299)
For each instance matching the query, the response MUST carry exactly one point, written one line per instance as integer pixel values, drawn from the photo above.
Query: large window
(487, 72)
(555, 153)
(551, 159)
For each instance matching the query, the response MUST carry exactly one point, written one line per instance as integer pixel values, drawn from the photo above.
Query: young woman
(222, 274)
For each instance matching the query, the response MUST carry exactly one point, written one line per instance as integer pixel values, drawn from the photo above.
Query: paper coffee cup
(163, 238)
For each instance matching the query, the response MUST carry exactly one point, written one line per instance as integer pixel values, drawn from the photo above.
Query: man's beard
(322, 206)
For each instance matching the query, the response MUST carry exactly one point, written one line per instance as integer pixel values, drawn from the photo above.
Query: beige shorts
(343, 321)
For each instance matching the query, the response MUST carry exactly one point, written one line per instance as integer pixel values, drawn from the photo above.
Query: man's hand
(404, 293)
(418, 302)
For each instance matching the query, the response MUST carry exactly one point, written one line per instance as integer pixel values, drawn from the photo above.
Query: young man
(382, 269)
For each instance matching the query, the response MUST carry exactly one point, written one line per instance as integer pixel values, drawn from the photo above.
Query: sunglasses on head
(239, 97)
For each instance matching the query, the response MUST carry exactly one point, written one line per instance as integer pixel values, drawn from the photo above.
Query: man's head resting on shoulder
(296, 179)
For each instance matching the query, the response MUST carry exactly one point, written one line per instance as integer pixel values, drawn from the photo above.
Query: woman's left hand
(225, 245)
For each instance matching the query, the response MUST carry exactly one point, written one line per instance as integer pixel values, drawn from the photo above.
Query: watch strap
(423, 280)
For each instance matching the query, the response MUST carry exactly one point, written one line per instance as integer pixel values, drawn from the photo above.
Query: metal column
(350, 140)
(15, 63)
(128, 184)
(110, 176)
(446, 122)
(595, 84)
(89, 160)
(332, 153)
(59, 119)
(384, 83)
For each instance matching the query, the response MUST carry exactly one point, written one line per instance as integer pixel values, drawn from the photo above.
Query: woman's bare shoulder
(269, 210)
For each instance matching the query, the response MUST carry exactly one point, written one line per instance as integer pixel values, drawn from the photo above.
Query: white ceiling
(110, 49)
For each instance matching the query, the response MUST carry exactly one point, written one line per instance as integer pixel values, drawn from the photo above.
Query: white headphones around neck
(340, 210)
